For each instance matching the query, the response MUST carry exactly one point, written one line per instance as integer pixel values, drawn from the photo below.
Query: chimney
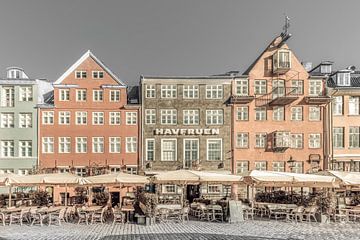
(307, 66)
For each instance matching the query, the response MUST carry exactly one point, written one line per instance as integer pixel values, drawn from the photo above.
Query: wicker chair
(185, 213)
(312, 213)
(37, 217)
(118, 216)
(162, 214)
(19, 216)
(98, 216)
(83, 216)
(60, 216)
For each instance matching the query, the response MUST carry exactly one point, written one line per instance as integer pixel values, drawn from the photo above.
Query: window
(214, 117)
(25, 94)
(214, 149)
(47, 145)
(115, 169)
(337, 105)
(97, 118)
(315, 87)
(114, 95)
(63, 170)
(260, 140)
(131, 118)
(297, 167)
(296, 113)
(169, 188)
(168, 150)
(15, 73)
(260, 114)
(80, 95)
(9, 170)
(150, 91)
(131, 170)
(81, 144)
(353, 105)
(115, 145)
(7, 120)
(97, 144)
(131, 144)
(64, 145)
(325, 69)
(82, 172)
(191, 151)
(168, 116)
(338, 137)
(282, 59)
(81, 118)
(314, 140)
(80, 74)
(64, 118)
(150, 149)
(242, 87)
(278, 166)
(242, 140)
(214, 189)
(48, 117)
(64, 94)
(296, 140)
(278, 87)
(25, 120)
(97, 74)
(314, 113)
(281, 139)
(25, 148)
(260, 87)
(343, 79)
(23, 171)
(168, 91)
(242, 167)
(150, 116)
(190, 91)
(354, 137)
(114, 118)
(297, 87)
(261, 166)
(7, 148)
(97, 95)
(191, 117)
(214, 91)
(243, 113)
(278, 114)
(7, 97)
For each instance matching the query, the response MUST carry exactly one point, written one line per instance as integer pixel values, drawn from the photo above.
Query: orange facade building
(87, 127)
(279, 114)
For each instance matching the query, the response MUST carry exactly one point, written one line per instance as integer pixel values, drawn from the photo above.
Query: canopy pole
(10, 196)
(66, 200)
(90, 195)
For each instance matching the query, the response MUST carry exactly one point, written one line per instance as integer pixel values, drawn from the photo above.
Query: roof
(133, 95)
(186, 77)
(354, 80)
(82, 59)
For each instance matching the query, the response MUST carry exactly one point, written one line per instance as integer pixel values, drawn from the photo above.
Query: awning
(47, 179)
(346, 178)
(117, 178)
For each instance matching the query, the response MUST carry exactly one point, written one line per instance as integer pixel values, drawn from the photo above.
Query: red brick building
(87, 127)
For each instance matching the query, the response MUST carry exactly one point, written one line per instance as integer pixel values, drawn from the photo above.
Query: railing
(278, 96)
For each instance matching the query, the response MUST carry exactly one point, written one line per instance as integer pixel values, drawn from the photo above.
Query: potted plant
(148, 203)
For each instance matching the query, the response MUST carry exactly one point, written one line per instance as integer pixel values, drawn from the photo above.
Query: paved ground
(249, 230)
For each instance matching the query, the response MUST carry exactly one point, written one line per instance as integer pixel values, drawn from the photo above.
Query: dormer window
(281, 61)
(343, 79)
(15, 73)
(325, 69)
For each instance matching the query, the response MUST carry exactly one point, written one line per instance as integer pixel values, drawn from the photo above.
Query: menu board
(236, 211)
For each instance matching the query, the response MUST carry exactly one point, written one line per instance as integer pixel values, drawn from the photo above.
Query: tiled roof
(354, 81)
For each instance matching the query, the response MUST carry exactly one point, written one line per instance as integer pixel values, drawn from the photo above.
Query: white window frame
(25, 145)
(98, 118)
(354, 102)
(174, 140)
(259, 165)
(168, 116)
(64, 145)
(242, 113)
(150, 91)
(296, 141)
(98, 145)
(98, 95)
(338, 137)
(314, 110)
(354, 137)
(150, 150)
(169, 91)
(64, 117)
(214, 117)
(81, 95)
(7, 148)
(150, 116)
(260, 86)
(191, 117)
(260, 114)
(278, 166)
(191, 91)
(80, 74)
(297, 87)
(242, 167)
(47, 117)
(81, 144)
(7, 120)
(114, 96)
(278, 114)
(191, 150)
(207, 149)
(131, 144)
(7, 96)
(242, 140)
(296, 113)
(114, 118)
(98, 74)
(315, 87)
(242, 87)
(26, 94)
(64, 95)
(25, 120)
(114, 145)
(315, 140)
(214, 91)
(214, 188)
(82, 116)
(47, 145)
(260, 140)
(343, 79)
(131, 118)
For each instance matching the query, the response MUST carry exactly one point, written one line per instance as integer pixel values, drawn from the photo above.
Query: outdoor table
(211, 210)
(92, 209)
(128, 209)
(169, 206)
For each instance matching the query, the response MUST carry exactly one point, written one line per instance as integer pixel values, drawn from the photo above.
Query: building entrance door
(192, 192)
(115, 198)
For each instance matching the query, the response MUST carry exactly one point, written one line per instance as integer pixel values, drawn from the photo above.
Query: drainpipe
(331, 127)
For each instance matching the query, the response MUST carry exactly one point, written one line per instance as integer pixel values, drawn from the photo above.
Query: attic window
(281, 61)
(80, 74)
(14, 74)
(343, 79)
(325, 69)
(98, 74)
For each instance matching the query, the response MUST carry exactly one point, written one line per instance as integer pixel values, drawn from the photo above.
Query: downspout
(141, 159)
(331, 127)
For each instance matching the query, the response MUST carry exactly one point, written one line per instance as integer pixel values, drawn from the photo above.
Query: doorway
(192, 192)
(115, 198)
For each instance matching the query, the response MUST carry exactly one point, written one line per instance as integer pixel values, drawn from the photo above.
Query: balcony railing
(279, 96)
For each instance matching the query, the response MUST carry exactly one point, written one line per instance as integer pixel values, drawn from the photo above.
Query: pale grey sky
(171, 37)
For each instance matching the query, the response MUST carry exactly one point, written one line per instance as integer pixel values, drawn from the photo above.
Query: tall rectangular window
(115, 145)
(315, 87)
(98, 74)
(25, 120)
(80, 95)
(81, 118)
(168, 116)
(48, 117)
(343, 79)
(314, 140)
(98, 95)
(131, 118)
(114, 118)
(81, 144)
(191, 117)
(150, 116)
(97, 144)
(242, 167)
(354, 137)
(25, 148)
(7, 148)
(80, 74)
(338, 137)
(354, 105)
(215, 117)
(150, 91)
(337, 105)
(297, 87)
(25, 94)
(64, 144)
(278, 87)
(191, 91)
(131, 144)
(314, 113)
(297, 167)
(296, 140)
(260, 140)
(260, 114)
(150, 149)
(168, 91)
(214, 91)
(64, 94)
(242, 140)
(214, 150)
(114, 96)
(296, 113)
(278, 166)
(260, 87)
(7, 96)
(242, 87)
(278, 114)
(7, 120)
(243, 113)
(261, 165)
(98, 118)
(47, 145)
(191, 151)
(64, 118)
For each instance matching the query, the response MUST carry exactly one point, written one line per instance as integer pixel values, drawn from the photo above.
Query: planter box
(150, 221)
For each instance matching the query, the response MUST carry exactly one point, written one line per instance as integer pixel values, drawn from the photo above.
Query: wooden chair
(19, 216)
(312, 213)
(185, 213)
(60, 216)
(98, 216)
(83, 216)
(118, 216)
(296, 214)
(37, 217)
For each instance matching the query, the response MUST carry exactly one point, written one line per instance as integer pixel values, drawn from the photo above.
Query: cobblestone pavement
(249, 230)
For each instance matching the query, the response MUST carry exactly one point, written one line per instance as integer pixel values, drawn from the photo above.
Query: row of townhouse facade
(279, 115)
